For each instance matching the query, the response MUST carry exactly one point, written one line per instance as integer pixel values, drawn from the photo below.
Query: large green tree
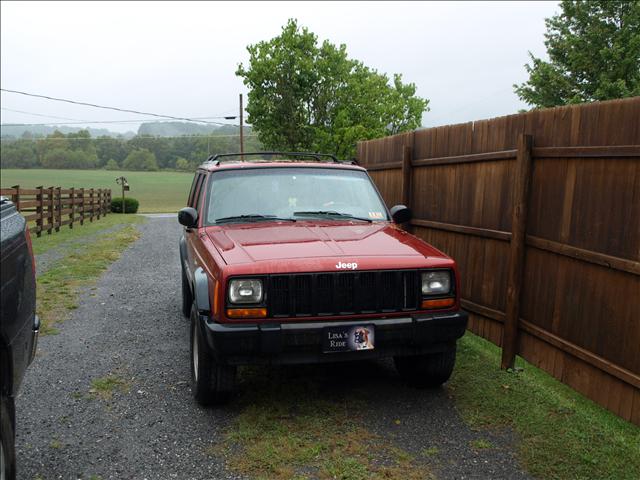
(140, 159)
(306, 96)
(594, 54)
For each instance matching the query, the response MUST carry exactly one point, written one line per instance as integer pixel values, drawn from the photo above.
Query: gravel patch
(131, 327)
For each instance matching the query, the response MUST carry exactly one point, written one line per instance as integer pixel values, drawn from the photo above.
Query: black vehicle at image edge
(19, 323)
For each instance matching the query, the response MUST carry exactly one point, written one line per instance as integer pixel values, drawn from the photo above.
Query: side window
(194, 187)
(193, 197)
(199, 190)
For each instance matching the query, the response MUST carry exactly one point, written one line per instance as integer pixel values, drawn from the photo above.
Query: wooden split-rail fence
(541, 210)
(49, 209)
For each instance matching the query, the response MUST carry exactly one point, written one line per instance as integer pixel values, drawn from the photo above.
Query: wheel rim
(194, 359)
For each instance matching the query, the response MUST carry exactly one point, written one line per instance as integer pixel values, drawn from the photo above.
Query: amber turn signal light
(246, 312)
(438, 303)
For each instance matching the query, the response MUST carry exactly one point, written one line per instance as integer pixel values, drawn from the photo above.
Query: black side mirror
(400, 214)
(188, 217)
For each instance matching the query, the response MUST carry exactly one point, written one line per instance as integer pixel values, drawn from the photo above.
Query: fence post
(72, 196)
(523, 173)
(39, 210)
(99, 202)
(82, 206)
(107, 207)
(406, 175)
(59, 212)
(407, 172)
(16, 197)
(91, 200)
(50, 212)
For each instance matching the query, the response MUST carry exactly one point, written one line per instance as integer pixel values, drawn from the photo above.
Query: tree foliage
(594, 54)
(140, 159)
(111, 165)
(306, 96)
(183, 164)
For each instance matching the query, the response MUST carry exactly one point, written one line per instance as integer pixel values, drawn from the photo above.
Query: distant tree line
(81, 151)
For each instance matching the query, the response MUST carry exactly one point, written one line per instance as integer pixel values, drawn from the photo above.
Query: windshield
(292, 193)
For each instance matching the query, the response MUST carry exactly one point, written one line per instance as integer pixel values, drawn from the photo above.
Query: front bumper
(294, 343)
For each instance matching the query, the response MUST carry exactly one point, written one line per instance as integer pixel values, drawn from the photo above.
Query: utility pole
(241, 127)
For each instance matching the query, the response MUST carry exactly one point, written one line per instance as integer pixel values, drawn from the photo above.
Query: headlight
(243, 291)
(436, 283)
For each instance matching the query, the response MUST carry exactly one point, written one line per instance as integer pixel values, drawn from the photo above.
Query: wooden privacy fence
(48, 209)
(541, 210)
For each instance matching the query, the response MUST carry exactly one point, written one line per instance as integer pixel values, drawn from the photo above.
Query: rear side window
(192, 192)
(199, 185)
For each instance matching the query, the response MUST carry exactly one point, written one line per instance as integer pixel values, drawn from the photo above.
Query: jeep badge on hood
(347, 266)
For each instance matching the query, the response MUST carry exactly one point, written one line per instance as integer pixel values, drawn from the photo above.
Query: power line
(86, 104)
(39, 114)
(78, 121)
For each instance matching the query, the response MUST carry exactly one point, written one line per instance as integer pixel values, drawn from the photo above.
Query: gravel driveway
(131, 327)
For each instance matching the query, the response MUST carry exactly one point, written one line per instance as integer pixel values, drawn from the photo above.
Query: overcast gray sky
(179, 58)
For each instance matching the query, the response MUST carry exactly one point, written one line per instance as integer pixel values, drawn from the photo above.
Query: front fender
(183, 255)
(201, 291)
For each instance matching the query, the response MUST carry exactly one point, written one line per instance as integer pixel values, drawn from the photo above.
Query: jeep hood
(262, 241)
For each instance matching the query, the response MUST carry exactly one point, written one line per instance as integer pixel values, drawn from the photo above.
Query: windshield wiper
(252, 218)
(332, 213)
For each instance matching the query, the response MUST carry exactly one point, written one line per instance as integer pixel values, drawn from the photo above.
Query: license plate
(348, 339)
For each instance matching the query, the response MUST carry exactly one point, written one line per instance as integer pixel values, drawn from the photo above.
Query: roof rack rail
(317, 156)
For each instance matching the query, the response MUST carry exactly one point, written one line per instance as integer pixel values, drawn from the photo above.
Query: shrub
(131, 205)
(183, 164)
(112, 165)
(140, 159)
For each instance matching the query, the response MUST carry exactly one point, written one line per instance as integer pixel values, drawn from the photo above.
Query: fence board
(46, 206)
(577, 317)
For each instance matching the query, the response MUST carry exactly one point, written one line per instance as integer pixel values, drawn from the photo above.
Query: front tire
(427, 371)
(211, 382)
(7, 440)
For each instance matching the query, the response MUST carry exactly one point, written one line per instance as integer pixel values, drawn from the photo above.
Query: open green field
(156, 191)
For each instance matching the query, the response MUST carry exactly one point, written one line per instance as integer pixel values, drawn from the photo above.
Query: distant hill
(17, 131)
(155, 129)
(173, 129)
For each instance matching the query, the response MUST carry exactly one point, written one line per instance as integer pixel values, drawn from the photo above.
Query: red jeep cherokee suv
(294, 258)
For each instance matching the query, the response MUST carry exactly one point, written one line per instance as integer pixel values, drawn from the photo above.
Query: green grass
(561, 434)
(156, 191)
(105, 387)
(296, 429)
(430, 452)
(58, 288)
(480, 444)
(70, 236)
(55, 443)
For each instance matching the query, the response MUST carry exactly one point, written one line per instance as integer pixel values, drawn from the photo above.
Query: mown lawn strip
(71, 236)
(561, 434)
